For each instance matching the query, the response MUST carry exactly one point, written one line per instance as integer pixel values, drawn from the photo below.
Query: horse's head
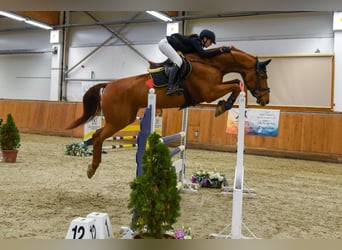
(256, 82)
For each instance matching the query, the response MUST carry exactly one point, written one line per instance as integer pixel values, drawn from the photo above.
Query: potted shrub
(154, 198)
(9, 140)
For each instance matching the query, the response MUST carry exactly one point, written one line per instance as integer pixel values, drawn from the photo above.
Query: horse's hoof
(219, 108)
(218, 111)
(90, 172)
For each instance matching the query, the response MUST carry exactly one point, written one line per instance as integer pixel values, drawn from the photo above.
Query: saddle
(160, 72)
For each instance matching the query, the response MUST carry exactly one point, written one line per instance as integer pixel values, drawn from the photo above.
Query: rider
(186, 44)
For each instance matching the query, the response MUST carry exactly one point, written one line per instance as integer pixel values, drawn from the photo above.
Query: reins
(258, 92)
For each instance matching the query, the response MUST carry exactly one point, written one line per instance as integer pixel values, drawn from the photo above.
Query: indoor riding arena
(279, 148)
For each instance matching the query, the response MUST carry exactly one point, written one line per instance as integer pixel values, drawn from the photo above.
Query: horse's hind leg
(98, 137)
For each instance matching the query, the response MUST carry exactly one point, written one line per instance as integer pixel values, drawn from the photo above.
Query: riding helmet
(209, 34)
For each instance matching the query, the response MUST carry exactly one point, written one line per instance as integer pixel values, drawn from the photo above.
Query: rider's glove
(225, 49)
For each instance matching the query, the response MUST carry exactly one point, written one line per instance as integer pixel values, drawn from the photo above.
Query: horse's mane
(241, 51)
(234, 49)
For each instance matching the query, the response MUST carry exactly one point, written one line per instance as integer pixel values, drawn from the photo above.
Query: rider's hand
(225, 49)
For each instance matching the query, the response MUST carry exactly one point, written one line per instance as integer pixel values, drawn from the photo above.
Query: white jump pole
(183, 142)
(236, 225)
(152, 102)
(239, 171)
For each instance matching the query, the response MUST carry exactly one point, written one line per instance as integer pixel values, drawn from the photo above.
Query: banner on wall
(261, 122)
(89, 129)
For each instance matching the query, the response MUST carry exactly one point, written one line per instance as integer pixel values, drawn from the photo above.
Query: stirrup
(171, 91)
(179, 90)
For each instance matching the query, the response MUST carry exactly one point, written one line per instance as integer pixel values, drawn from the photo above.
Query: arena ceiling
(53, 18)
(186, 5)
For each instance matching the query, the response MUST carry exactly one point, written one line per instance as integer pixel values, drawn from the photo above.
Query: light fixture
(159, 15)
(12, 16)
(26, 20)
(38, 24)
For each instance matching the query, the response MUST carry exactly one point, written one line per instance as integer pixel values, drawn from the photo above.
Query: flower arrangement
(209, 179)
(182, 234)
(78, 149)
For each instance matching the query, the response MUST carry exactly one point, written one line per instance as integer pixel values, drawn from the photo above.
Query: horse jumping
(121, 99)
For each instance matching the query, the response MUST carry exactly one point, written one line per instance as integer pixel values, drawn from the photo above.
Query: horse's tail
(91, 105)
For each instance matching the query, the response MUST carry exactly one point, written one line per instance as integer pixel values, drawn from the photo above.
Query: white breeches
(169, 51)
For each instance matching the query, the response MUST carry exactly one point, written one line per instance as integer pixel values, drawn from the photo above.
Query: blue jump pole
(169, 138)
(177, 150)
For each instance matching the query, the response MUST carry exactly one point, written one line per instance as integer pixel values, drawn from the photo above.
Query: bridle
(258, 92)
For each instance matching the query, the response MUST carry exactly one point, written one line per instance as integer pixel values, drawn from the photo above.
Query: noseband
(259, 92)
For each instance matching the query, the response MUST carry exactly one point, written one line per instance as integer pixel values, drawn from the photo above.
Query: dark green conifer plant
(9, 134)
(154, 197)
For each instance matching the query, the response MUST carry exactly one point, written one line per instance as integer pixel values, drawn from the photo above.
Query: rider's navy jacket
(190, 44)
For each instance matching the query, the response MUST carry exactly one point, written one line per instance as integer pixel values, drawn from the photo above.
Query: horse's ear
(264, 63)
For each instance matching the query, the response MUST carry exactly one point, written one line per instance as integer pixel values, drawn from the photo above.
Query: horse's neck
(241, 59)
(234, 61)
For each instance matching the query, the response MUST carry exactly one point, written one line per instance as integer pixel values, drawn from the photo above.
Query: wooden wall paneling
(58, 110)
(38, 115)
(43, 120)
(290, 130)
(193, 126)
(295, 135)
(172, 121)
(5, 108)
(21, 111)
(193, 118)
(54, 121)
(316, 135)
(317, 132)
(334, 142)
(308, 132)
(193, 134)
(78, 110)
(30, 111)
(70, 117)
(216, 129)
(206, 127)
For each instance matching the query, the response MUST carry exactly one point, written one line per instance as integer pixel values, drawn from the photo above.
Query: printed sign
(262, 122)
(90, 127)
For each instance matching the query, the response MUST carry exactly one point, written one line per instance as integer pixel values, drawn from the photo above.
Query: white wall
(25, 76)
(24, 40)
(260, 35)
(338, 72)
(272, 34)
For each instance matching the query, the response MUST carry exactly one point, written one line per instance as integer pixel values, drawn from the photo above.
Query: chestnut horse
(121, 99)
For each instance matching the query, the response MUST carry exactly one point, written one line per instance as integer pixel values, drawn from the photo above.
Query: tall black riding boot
(171, 86)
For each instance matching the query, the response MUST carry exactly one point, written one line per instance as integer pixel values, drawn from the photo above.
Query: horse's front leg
(224, 105)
